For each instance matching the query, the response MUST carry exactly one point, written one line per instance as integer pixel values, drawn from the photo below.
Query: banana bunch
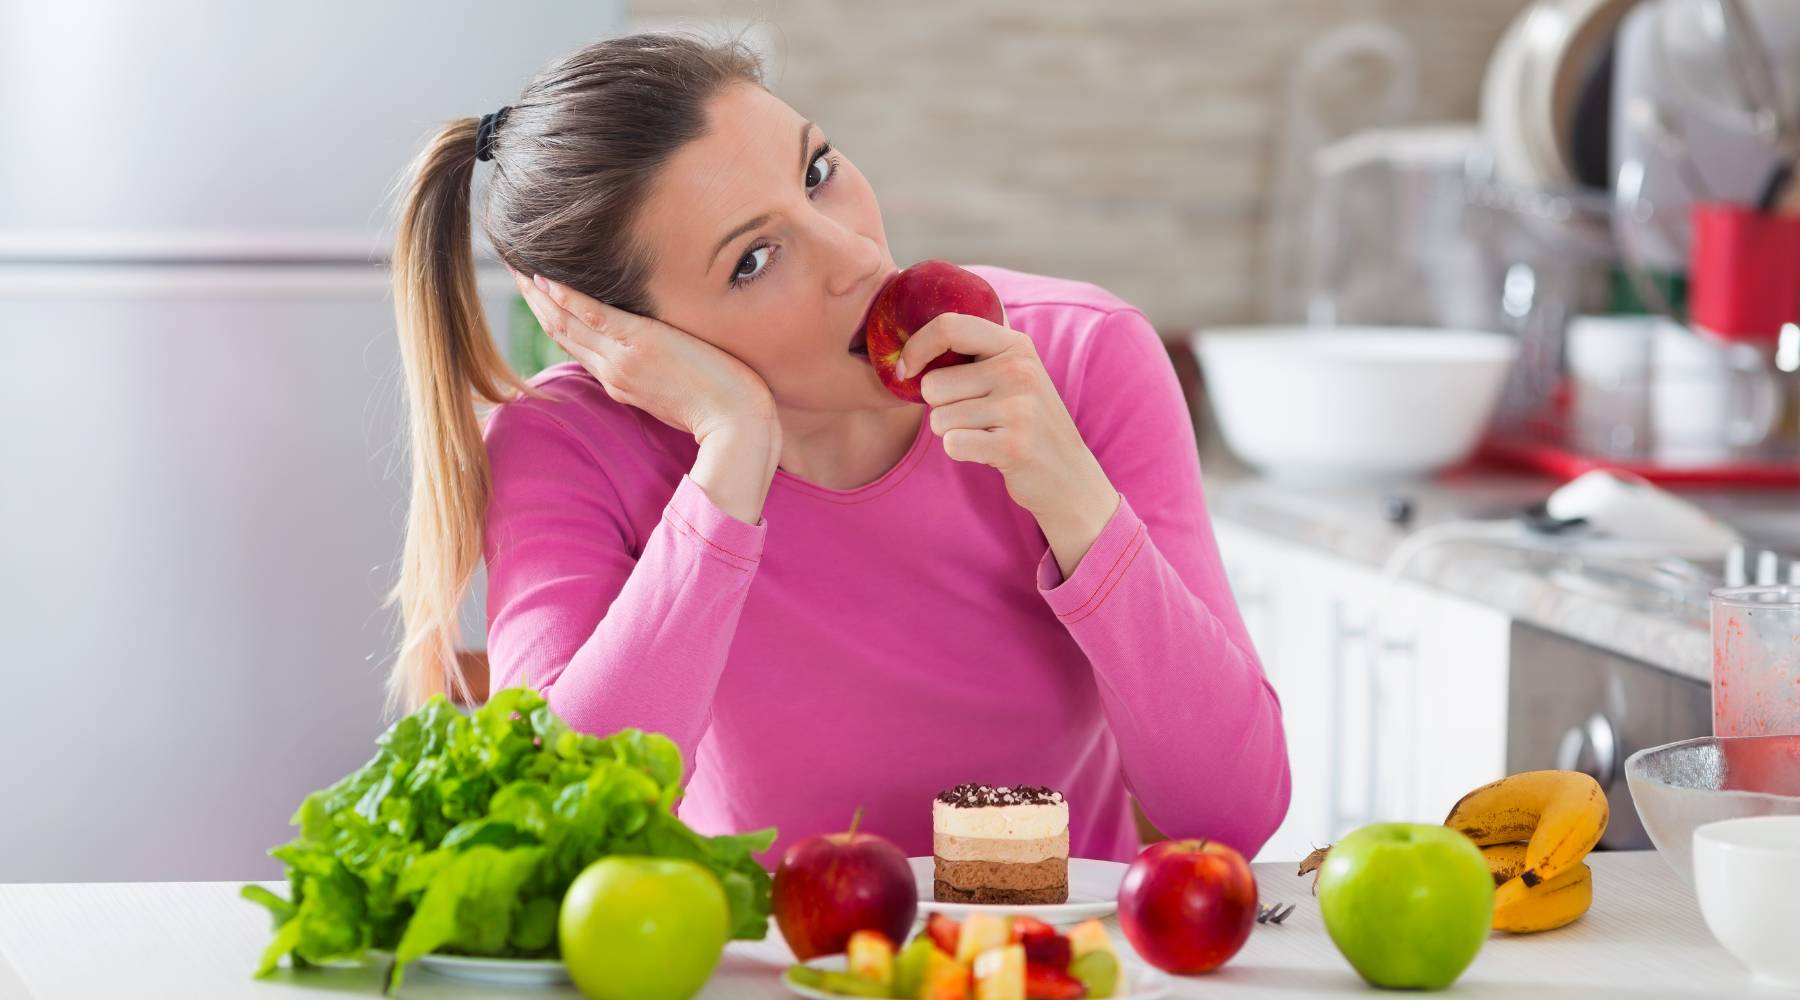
(1534, 829)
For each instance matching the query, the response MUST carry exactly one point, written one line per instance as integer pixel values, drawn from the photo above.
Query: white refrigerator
(202, 455)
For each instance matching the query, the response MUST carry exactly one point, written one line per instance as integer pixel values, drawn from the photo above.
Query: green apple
(636, 928)
(1408, 904)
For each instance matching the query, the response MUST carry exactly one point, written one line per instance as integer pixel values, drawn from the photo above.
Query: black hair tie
(484, 133)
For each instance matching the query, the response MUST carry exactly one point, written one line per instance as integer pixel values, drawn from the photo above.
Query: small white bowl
(1747, 875)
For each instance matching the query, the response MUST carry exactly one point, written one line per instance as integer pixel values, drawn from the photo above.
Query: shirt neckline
(875, 487)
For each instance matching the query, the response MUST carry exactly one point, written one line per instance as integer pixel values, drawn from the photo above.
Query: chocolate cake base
(944, 892)
(1045, 881)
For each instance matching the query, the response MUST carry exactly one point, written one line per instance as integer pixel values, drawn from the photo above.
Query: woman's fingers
(973, 444)
(597, 317)
(980, 413)
(547, 312)
(943, 386)
(561, 326)
(569, 317)
(1010, 372)
(969, 335)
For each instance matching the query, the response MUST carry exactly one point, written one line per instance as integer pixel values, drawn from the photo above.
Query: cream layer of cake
(1026, 821)
(1019, 850)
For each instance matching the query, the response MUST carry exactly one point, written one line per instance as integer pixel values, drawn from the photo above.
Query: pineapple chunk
(945, 978)
(1090, 935)
(1000, 973)
(871, 957)
(980, 932)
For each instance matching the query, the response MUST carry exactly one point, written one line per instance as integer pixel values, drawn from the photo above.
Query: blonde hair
(572, 162)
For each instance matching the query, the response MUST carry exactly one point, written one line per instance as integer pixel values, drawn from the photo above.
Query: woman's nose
(850, 257)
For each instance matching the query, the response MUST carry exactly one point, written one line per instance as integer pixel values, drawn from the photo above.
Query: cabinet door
(1460, 679)
(1260, 570)
(1284, 610)
(1424, 681)
(1250, 567)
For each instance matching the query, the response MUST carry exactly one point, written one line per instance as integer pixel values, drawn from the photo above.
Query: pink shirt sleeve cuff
(1099, 570)
(693, 514)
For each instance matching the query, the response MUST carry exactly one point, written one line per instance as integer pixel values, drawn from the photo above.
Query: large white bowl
(1679, 787)
(1747, 875)
(1353, 404)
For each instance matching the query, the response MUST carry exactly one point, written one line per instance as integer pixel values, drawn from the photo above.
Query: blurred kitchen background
(1419, 265)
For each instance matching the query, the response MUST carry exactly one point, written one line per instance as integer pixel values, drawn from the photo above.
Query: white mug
(1647, 388)
(1609, 360)
(1710, 399)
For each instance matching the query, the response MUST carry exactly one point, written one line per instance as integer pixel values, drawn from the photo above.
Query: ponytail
(451, 361)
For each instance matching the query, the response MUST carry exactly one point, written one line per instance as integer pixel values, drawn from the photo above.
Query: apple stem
(854, 821)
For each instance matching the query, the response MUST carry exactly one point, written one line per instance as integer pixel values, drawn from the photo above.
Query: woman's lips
(859, 340)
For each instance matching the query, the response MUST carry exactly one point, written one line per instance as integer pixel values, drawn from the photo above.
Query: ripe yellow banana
(1505, 861)
(1545, 906)
(1559, 814)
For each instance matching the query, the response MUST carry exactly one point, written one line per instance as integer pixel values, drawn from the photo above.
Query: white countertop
(1570, 596)
(1644, 937)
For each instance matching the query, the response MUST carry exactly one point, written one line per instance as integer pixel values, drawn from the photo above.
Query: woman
(717, 524)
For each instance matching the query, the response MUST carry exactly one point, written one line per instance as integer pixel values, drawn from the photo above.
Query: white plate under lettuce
(496, 971)
(1093, 892)
(1136, 980)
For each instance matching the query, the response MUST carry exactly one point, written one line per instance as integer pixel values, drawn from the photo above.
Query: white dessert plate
(1137, 981)
(1093, 892)
(496, 971)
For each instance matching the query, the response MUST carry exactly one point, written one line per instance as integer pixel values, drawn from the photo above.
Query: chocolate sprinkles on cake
(973, 796)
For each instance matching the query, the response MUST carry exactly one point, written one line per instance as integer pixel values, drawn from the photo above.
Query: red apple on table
(831, 885)
(1187, 905)
(910, 299)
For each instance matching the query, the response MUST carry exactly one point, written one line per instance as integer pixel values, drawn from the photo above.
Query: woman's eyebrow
(761, 220)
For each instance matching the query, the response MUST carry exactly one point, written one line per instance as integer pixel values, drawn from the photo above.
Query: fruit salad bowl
(1681, 786)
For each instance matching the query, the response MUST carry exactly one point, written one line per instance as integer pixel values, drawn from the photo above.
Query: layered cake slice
(1005, 844)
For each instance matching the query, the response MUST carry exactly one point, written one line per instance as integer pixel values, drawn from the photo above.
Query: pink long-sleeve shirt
(872, 646)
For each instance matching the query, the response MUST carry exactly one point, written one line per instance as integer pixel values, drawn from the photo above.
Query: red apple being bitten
(1187, 905)
(831, 885)
(910, 299)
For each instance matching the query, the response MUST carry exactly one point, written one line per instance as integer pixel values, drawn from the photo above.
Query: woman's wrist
(735, 464)
(1073, 525)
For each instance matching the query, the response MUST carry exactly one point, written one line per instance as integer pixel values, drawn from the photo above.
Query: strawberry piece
(943, 931)
(1027, 927)
(1051, 950)
(1045, 983)
(1043, 945)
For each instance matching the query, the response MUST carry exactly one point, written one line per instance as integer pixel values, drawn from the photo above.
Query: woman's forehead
(741, 167)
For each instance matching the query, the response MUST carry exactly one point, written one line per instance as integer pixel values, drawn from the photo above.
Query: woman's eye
(824, 175)
(748, 269)
(754, 270)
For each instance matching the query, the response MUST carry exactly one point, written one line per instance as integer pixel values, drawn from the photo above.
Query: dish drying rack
(1561, 258)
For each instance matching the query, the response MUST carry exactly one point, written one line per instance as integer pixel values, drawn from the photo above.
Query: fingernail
(538, 280)
(900, 368)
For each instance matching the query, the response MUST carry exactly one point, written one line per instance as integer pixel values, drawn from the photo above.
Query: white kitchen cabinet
(1423, 682)
(1269, 579)
(1394, 699)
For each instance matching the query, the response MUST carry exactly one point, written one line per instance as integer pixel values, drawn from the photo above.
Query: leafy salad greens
(464, 831)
